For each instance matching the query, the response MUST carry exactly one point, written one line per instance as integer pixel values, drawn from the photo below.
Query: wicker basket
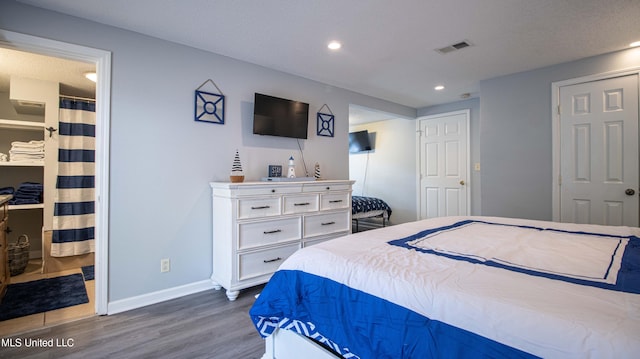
(19, 255)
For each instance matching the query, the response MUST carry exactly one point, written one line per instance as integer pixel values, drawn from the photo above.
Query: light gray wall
(389, 171)
(515, 134)
(162, 160)
(474, 126)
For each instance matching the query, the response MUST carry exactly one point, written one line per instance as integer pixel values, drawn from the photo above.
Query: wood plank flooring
(202, 325)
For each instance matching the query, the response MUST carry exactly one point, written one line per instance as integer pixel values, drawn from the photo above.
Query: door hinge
(558, 109)
(559, 180)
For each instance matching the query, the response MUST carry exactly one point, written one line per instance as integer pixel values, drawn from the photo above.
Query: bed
(369, 207)
(458, 287)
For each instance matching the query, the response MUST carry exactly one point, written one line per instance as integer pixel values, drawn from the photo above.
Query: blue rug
(43, 295)
(87, 271)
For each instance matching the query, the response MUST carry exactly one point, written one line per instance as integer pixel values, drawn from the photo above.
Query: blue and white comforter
(464, 287)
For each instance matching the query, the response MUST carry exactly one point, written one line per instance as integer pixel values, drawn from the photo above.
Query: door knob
(629, 192)
(462, 183)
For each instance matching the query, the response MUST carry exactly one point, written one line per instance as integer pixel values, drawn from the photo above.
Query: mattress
(363, 207)
(463, 287)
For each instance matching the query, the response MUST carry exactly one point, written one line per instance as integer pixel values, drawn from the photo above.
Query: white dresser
(257, 225)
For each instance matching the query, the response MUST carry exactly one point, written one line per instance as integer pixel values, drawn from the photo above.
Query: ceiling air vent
(28, 107)
(455, 47)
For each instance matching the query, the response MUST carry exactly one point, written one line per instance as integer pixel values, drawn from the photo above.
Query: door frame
(419, 155)
(102, 59)
(555, 125)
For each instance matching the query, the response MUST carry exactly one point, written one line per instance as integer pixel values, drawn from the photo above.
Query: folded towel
(34, 144)
(23, 201)
(28, 193)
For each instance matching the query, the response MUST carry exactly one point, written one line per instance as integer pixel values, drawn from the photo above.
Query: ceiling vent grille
(455, 47)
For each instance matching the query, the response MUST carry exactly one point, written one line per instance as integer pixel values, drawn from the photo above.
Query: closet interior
(30, 104)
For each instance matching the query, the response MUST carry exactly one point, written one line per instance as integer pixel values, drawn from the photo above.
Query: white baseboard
(140, 301)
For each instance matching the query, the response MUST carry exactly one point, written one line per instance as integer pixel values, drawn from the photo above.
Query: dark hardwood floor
(202, 325)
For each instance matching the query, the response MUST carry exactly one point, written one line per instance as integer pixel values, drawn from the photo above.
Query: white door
(443, 157)
(599, 152)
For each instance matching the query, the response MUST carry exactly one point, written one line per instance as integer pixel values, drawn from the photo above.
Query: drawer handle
(328, 223)
(261, 207)
(302, 204)
(272, 232)
(336, 201)
(272, 260)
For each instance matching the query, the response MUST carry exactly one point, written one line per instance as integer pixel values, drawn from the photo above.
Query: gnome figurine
(236, 170)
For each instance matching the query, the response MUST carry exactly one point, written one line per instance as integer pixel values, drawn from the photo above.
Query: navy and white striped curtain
(74, 207)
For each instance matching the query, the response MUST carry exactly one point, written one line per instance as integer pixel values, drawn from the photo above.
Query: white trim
(467, 114)
(102, 59)
(123, 305)
(555, 127)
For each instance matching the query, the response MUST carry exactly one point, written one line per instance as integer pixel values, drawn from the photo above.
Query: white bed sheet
(545, 317)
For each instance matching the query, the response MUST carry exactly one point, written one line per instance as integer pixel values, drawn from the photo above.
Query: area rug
(42, 295)
(88, 273)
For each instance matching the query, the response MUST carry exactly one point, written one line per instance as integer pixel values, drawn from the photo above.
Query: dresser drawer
(334, 200)
(316, 225)
(267, 190)
(255, 234)
(260, 207)
(263, 262)
(325, 187)
(300, 204)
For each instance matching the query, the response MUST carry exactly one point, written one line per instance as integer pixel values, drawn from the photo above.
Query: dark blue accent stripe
(72, 104)
(77, 129)
(73, 208)
(72, 235)
(628, 279)
(370, 327)
(76, 155)
(75, 182)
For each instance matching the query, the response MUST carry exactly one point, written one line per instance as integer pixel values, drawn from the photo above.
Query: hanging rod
(79, 98)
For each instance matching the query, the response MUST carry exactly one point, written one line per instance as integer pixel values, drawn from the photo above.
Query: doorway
(596, 158)
(102, 61)
(443, 165)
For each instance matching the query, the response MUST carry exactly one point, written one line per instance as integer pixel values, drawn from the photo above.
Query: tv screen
(276, 116)
(359, 141)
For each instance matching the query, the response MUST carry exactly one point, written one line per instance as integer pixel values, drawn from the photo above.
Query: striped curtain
(74, 206)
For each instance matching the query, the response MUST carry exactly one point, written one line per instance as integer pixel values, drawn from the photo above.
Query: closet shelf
(22, 164)
(25, 206)
(21, 125)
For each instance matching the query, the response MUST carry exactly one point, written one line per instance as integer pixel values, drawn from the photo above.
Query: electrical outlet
(476, 166)
(165, 265)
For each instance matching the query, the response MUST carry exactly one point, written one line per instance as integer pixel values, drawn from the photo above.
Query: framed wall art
(325, 122)
(209, 106)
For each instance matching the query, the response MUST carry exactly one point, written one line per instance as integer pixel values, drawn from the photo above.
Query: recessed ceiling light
(634, 44)
(439, 88)
(91, 76)
(334, 45)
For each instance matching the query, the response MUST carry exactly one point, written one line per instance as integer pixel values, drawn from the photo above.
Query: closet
(29, 112)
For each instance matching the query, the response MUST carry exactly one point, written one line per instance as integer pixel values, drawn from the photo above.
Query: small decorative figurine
(292, 168)
(316, 173)
(236, 170)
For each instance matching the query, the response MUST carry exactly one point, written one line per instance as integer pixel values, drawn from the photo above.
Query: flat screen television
(359, 141)
(276, 116)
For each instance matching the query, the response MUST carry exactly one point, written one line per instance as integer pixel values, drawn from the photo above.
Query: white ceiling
(70, 74)
(388, 46)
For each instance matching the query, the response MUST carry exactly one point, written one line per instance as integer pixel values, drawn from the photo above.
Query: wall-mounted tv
(359, 141)
(276, 116)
